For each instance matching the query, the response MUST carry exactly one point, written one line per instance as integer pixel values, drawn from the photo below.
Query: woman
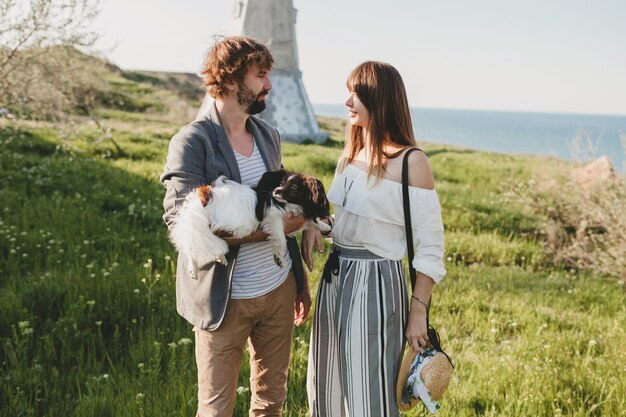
(362, 302)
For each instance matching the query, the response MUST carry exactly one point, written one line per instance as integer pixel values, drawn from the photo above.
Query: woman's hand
(416, 330)
(311, 239)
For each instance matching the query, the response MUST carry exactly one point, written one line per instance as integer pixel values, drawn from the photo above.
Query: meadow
(88, 325)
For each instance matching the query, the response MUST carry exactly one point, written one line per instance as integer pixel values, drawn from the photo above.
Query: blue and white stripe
(255, 272)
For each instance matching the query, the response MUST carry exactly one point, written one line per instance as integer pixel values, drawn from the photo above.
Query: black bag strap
(433, 336)
(407, 214)
(407, 224)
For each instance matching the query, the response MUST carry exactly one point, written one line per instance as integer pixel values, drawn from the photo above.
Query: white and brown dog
(229, 207)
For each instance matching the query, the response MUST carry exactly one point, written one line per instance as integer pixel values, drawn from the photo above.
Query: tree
(40, 70)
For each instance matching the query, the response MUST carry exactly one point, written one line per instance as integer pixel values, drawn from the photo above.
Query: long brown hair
(380, 88)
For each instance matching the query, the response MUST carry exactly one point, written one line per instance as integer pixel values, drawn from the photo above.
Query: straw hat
(435, 375)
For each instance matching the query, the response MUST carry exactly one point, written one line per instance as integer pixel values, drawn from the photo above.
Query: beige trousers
(266, 322)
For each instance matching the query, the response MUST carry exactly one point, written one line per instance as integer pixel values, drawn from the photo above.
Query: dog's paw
(278, 261)
(222, 260)
(322, 226)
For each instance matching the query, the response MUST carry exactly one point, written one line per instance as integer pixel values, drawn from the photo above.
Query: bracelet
(419, 300)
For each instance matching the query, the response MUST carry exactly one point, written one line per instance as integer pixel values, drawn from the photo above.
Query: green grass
(88, 325)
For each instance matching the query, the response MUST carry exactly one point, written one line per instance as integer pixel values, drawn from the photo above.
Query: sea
(577, 137)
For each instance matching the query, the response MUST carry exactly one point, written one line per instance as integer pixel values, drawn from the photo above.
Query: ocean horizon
(573, 137)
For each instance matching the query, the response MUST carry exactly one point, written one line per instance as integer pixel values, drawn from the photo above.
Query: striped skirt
(358, 336)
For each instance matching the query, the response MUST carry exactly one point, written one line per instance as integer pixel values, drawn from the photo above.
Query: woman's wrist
(415, 299)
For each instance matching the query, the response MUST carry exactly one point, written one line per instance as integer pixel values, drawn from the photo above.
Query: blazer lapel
(224, 145)
(259, 139)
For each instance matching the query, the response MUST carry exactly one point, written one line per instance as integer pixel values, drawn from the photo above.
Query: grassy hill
(87, 312)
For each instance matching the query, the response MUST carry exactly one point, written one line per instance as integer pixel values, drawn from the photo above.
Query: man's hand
(311, 239)
(302, 305)
(293, 224)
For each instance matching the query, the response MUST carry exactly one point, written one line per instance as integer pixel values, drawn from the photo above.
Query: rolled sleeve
(429, 251)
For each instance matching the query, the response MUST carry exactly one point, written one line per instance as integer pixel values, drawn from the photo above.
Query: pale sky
(564, 56)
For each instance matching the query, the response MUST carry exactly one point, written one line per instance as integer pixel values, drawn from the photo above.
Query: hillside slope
(88, 325)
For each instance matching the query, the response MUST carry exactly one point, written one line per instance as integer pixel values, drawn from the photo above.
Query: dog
(238, 210)
(280, 192)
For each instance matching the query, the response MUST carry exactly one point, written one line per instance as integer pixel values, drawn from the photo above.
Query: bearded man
(252, 298)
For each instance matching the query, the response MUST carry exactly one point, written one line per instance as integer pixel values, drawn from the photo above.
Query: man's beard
(253, 103)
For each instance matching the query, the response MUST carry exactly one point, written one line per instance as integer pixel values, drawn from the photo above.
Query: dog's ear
(317, 204)
(263, 202)
(205, 194)
(270, 180)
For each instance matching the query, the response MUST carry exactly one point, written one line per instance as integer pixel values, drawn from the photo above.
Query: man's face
(253, 90)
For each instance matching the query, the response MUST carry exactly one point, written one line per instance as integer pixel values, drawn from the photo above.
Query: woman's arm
(416, 329)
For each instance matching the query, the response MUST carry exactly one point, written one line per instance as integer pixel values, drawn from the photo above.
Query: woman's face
(357, 113)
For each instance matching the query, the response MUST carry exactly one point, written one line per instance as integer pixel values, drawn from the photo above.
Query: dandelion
(241, 390)
(99, 323)
(449, 259)
(184, 341)
(136, 290)
(167, 257)
(140, 365)
(105, 376)
(592, 343)
(514, 324)
(494, 330)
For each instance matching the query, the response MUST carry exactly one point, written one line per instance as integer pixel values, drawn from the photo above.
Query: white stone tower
(273, 22)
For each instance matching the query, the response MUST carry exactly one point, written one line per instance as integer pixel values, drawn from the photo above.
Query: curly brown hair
(228, 60)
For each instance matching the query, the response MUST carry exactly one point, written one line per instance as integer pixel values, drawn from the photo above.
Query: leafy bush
(584, 226)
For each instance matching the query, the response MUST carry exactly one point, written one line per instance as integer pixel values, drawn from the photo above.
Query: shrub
(585, 226)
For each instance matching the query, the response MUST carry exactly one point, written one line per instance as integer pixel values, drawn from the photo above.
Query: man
(252, 298)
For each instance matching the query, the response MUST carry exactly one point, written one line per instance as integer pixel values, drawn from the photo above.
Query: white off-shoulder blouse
(370, 215)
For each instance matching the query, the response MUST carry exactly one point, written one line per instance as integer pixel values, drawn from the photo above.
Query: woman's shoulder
(420, 173)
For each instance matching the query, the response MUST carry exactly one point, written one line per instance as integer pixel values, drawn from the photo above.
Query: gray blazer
(197, 155)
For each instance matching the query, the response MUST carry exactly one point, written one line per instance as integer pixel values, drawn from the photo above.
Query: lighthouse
(273, 22)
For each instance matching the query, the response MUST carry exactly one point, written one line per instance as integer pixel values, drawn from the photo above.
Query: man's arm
(184, 169)
(291, 223)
